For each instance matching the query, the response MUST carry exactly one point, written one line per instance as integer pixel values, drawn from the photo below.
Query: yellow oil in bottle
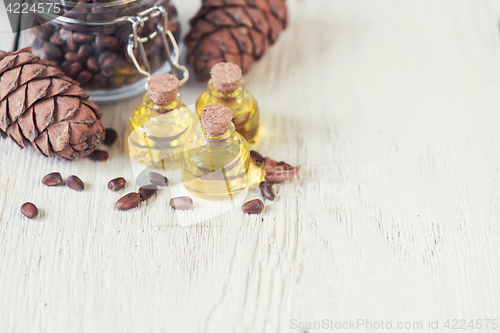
(241, 102)
(215, 167)
(158, 133)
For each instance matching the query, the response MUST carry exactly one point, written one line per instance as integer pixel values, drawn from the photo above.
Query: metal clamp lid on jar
(136, 42)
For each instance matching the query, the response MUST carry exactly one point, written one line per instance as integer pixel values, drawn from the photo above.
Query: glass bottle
(161, 125)
(215, 164)
(225, 88)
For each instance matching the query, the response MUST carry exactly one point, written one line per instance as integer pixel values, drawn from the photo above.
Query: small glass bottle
(226, 88)
(161, 125)
(216, 157)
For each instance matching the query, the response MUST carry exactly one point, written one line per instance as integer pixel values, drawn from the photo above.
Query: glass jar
(103, 44)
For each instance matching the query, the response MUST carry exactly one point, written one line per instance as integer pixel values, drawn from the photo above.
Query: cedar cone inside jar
(96, 56)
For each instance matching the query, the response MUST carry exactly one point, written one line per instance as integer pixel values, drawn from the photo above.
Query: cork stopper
(226, 77)
(216, 119)
(163, 88)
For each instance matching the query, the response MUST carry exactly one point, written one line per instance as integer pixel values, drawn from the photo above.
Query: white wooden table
(392, 107)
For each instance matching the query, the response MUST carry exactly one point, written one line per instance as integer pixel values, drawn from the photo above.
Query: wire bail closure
(136, 42)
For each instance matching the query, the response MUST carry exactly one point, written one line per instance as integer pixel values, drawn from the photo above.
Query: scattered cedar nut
(29, 210)
(284, 165)
(182, 203)
(110, 136)
(267, 191)
(99, 155)
(255, 206)
(256, 158)
(276, 172)
(268, 162)
(75, 183)
(52, 179)
(157, 179)
(117, 184)
(147, 191)
(278, 175)
(128, 201)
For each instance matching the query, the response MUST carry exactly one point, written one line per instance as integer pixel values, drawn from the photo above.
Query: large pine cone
(41, 107)
(237, 31)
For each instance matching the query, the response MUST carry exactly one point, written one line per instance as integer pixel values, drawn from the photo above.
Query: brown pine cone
(237, 31)
(41, 107)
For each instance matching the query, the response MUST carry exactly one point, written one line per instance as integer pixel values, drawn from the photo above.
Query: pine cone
(237, 31)
(41, 107)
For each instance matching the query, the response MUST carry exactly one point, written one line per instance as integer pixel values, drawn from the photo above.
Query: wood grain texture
(391, 106)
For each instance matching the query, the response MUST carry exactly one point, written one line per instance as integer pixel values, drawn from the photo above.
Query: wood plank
(392, 108)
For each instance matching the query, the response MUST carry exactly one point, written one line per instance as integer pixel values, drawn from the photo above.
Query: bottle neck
(216, 140)
(155, 109)
(226, 98)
